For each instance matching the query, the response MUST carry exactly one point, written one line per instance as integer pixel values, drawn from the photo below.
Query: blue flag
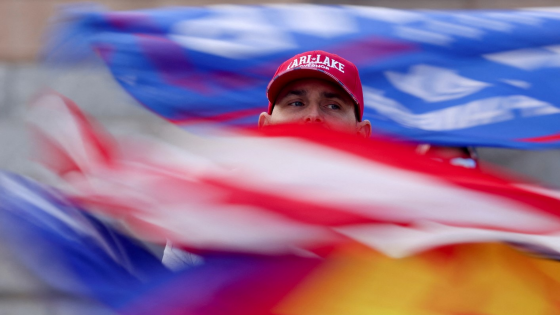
(480, 78)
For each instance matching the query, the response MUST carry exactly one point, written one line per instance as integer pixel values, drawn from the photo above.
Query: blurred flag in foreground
(287, 220)
(480, 78)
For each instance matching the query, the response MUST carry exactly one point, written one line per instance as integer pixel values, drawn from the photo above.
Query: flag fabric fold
(273, 190)
(288, 220)
(78, 253)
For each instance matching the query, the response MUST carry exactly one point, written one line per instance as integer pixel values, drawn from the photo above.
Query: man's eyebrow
(332, 95)
(294, 92)
(297, 92)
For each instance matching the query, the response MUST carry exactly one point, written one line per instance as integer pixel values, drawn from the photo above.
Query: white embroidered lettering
(341, 67)
(327, 61)
(294, 64)
(334, 64)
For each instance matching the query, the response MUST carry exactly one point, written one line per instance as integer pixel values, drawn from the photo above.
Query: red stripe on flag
(549, 138)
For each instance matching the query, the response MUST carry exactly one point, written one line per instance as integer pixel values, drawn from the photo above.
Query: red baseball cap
(320, 65)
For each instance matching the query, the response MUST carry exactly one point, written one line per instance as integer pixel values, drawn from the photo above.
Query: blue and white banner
(481, 78)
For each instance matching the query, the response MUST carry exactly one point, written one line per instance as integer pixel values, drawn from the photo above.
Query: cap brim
(283, 79)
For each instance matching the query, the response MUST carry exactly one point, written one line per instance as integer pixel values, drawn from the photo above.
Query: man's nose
(313, 115)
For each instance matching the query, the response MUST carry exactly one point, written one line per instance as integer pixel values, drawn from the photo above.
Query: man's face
(315, 101)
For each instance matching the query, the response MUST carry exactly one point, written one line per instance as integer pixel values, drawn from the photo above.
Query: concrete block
(5, 109)
(75, 307)
(513, 4)
(542, 166)
(91, 87)
(16, 279)
(15, 146)
(50, 305)
(23, 307)
(406, 4)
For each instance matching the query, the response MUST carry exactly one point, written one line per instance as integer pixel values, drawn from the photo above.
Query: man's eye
(334, 106)
(296, 103)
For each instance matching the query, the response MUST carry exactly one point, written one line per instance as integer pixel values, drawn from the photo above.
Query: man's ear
(363, 128)
(264, 119)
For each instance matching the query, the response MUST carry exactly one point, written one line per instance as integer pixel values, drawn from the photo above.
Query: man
(317, 87)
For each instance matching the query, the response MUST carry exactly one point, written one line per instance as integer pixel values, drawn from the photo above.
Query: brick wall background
(22, 23)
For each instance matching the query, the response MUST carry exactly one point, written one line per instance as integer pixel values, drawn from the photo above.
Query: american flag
(286, 220)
